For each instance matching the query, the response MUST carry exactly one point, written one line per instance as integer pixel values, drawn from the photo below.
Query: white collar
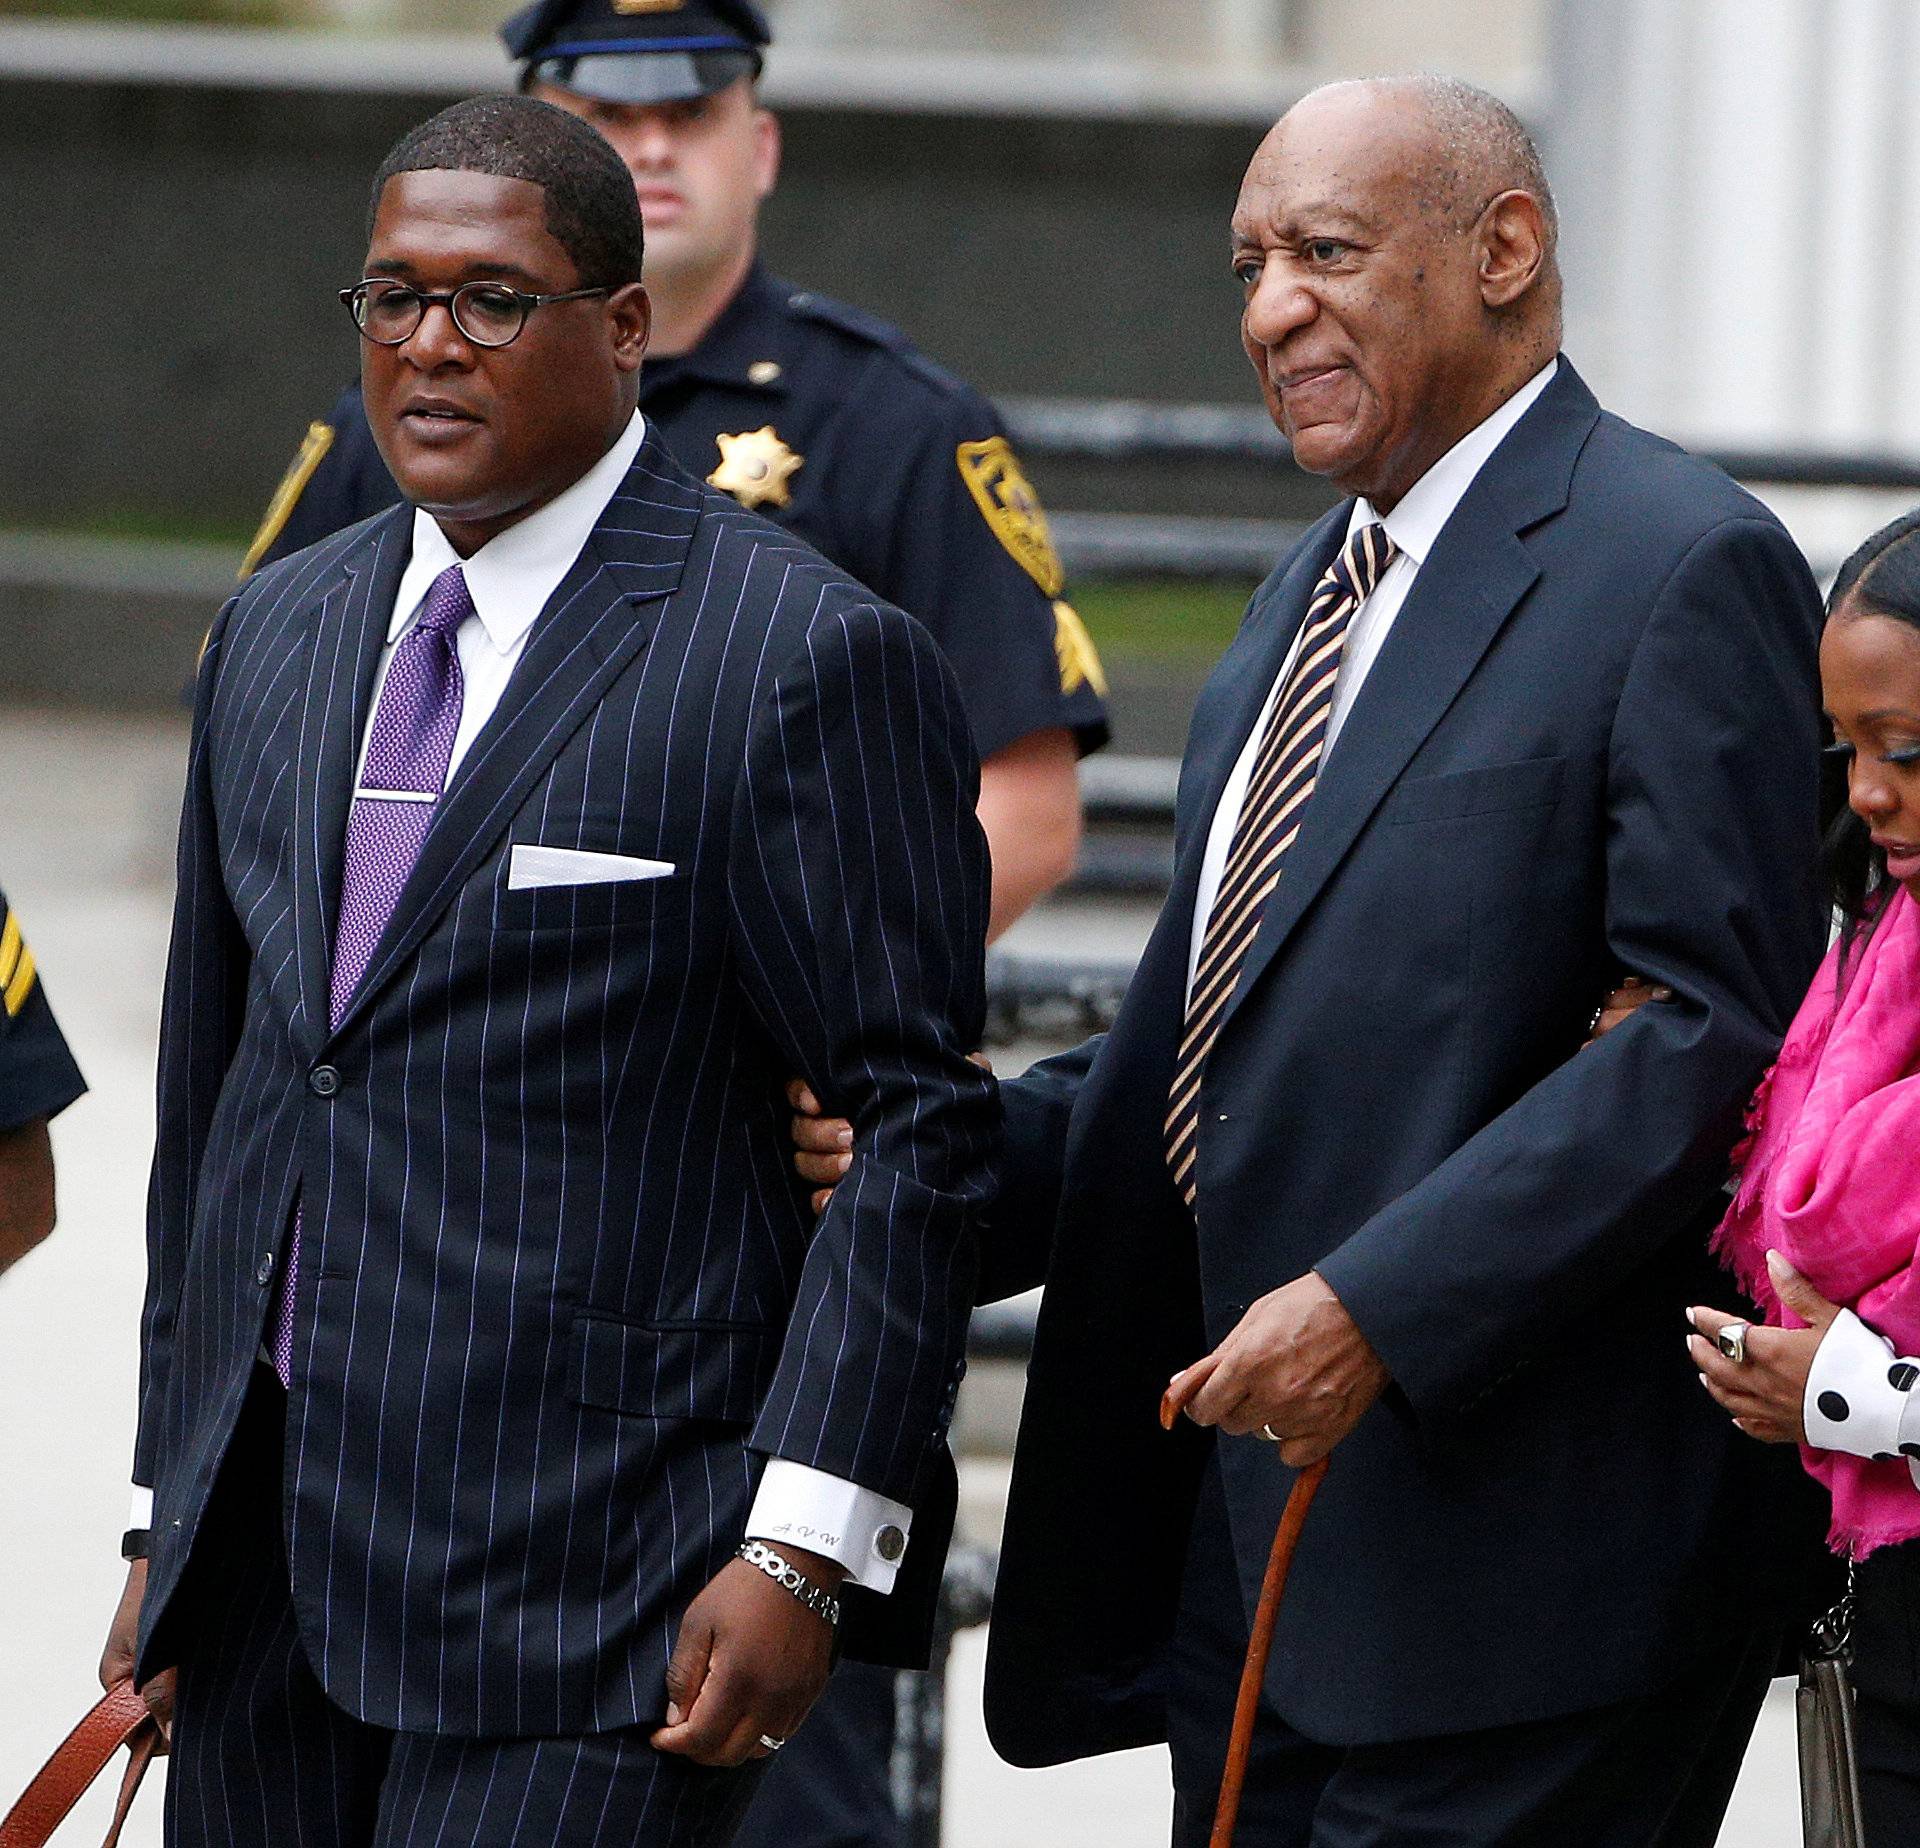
(511, 577)
(1426, 507)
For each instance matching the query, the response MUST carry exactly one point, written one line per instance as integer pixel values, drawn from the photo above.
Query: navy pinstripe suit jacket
(560, 1294)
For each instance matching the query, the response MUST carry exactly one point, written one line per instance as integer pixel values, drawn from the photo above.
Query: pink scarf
(1830, 1178)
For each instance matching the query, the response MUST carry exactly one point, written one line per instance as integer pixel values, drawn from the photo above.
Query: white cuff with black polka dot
(1861, 1396)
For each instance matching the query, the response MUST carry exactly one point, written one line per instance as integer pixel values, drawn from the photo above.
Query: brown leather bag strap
(140, 1756)
(120, 1718)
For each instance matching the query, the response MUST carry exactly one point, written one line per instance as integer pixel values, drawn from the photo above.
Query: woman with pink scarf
(1824, 1230)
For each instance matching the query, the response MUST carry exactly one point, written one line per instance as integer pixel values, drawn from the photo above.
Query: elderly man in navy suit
(1534, 707)
(516, 1439)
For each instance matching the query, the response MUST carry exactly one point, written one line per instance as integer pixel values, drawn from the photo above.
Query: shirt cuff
(854, 1527)
(1857, 1391)
(140, 1508)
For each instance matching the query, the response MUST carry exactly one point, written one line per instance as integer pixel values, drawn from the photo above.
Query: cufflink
(890, 1543)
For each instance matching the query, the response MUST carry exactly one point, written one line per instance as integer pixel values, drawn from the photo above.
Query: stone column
(1740, 185)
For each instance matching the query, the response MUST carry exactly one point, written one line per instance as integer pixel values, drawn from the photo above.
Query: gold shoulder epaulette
(293, 484)
(16, 967)
(1079, 659)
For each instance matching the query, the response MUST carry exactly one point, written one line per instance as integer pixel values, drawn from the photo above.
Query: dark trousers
(1886, 1677)
(1650, 1773)
(832, 1787)
(262, 1759)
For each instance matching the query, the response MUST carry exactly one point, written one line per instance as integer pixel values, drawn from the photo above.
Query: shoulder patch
(1007, 502)
(293, 484)
(16, 967)
(1073, 647)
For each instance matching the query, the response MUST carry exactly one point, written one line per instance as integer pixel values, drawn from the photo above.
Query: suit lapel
(346, 629)
(1469, 585)
(590, 629)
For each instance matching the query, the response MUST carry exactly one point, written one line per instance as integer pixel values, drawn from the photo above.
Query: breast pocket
(543, 887)
(1492, 789)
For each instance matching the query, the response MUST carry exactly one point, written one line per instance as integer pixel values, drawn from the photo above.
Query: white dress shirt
(510, 579)
(1413, 526)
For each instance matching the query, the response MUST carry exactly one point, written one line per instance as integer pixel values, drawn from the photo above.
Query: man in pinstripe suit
(532, 835)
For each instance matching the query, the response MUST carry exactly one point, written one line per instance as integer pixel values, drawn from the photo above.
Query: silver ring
(1732, 1342)
(770, 1742)
(1268, 1435)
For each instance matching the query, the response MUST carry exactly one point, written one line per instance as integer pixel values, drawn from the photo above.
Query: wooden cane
(1259, 1646)
(1266, 1617)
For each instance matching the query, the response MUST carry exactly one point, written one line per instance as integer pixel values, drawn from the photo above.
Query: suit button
(890, 1543)
(264, 1269)
(323, 1081)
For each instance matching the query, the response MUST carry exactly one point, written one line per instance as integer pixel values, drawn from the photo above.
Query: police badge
(755, 467)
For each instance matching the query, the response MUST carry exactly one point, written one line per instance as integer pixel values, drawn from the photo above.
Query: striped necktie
(409, 747)
(1285, 769)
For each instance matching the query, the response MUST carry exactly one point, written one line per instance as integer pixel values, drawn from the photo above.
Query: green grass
(1169, 619)
(145, 523)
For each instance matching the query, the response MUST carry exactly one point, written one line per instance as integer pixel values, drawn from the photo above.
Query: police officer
(38, 1079)
(811, 413)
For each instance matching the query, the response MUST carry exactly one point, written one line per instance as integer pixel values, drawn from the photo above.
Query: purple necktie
(406, 769)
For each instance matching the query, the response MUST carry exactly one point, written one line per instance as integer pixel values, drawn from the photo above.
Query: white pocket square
(558, 866)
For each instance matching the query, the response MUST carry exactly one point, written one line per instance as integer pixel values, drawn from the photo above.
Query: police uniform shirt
(831, 422)
(38, 1077)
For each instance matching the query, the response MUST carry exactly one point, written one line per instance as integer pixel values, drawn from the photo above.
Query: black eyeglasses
(488, 313)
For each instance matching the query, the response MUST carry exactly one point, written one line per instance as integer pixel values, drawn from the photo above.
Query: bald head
(1395, 238)
(1476, 147)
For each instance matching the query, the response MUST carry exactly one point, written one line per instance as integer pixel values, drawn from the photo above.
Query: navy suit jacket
(1589, 745)
(560, 1293)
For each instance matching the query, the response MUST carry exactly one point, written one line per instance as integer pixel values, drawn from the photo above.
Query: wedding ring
(1732, 1342)
(1267, 1434)
(770, 1742)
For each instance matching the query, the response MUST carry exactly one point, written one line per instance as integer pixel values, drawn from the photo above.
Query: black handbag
(1829, 1749)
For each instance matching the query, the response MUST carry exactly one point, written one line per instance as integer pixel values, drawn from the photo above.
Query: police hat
(638, 51)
